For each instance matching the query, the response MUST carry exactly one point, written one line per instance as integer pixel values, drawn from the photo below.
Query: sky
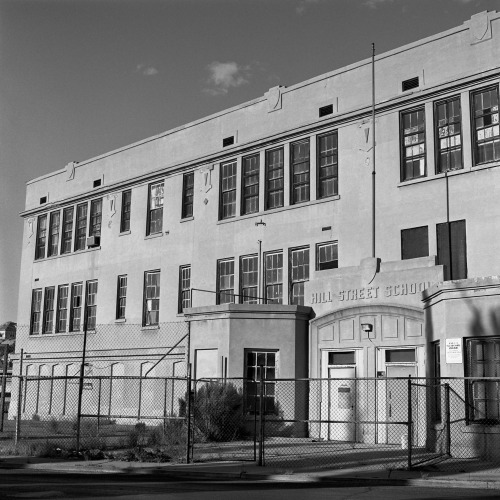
(79, 78)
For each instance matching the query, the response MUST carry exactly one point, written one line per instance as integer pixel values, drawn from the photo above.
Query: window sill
(149, 328)
(124, 233)
(152, 236)
(280, 209)
(120, 320)
(59, 334)
(76, 252)
(187, 219)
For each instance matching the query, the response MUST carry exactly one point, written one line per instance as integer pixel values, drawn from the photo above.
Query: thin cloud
(304, 5)
(146, 70)
(373, 4)
(222, 76)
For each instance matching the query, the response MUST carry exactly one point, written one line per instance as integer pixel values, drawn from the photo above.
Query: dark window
(67, 230)
(228, 190)
(261, 365)
(249, 279)
(327, 256)
(400, 356)
(411, 83)
(81, 226)
(62, 308)
(76, 307)
(483, 360)
(326, 110)
(273, 276)
(155, 212)
(228, 141)
(91, 304)
(414, 242)
(328, 169)
(225, 281)
(452, 249)
(250, 185)
(36, 311)
(413, 144)
(299, 171)
(341, 358)
(55, 218)
(187, 195)
(121, 297)
(48, 310)
(97, 183)
(274, 178)
(95, 217)
(448, 135)
(184, 288)
(486, 129)
(151, 298)
(43, 200)
(125, 214)
(41, 237)
(299, 274)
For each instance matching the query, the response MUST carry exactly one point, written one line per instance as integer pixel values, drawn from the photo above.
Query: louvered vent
(412, 83)
(228, 141)
(326, 110)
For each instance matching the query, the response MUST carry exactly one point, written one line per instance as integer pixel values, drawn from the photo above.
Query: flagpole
(373, 151)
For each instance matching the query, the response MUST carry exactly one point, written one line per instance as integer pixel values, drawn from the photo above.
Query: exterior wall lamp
(367, 327)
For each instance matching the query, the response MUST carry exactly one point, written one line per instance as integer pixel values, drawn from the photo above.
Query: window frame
(403, 146)
(300, 282)
(275, 283)
(81, 227)
(226, 290)
(335, 165)
(76, 308)
(153, 225)
(62, 309)
(91, 305)
(184, 294)
(228, 208)
(49, 301)
(187, 195)
(95, 222)
(295, 163)
(250, 299)
(146, 320)
(41, 237)
(54, 231)
(36, 303)
(66, 243)
(248, 184)
(317, 255)
(437, 138)
(121, 296)
(125, 211)
(267, 181)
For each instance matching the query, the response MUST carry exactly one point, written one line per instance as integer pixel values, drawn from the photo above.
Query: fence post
(188, 412)
(448, 418)
(261, 417)
(4, 384)
(19, 400)
(99, 407)
(410, 424)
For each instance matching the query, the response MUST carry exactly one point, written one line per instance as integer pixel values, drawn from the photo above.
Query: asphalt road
(16, 484)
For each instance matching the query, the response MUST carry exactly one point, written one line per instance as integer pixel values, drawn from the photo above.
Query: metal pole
(99, 407)
(261, 417)
(19, 398)
(448, 418)
(259, 272)
(4, 384)
(373, 151)
(448, 225)
(410, 423)
(80, 385)
(188, 413)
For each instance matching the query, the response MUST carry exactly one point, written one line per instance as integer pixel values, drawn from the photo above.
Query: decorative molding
(70, 170)
(273, 96)
(479, 28)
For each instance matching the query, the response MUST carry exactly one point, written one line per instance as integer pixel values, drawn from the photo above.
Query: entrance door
(342, 403)
(397, 402)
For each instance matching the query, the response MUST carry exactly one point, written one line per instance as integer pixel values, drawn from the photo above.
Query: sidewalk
(231, 471)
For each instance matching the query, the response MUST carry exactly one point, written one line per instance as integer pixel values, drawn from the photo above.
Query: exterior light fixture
(367, 327)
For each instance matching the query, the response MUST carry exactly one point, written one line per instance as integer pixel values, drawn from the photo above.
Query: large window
(452, 249)
(187, 195)
(48, 310)
(413, 144)
(91, 304)
(448, 135)
(486, 129)
(41, 237)
(327, 256)
(62, 308)
(184, 287)
(299, 274)
(274, 178)
(228, 190)
(125, 211)
(249, 279)
(273, 275)
(250, 184)
(121, 297)
(151, 315)
(261, 365)
(36, 311)
(155, 212)
(81, 226)
(76, 307)
(67, 230)
(299, 171)
(55, 218)
(225, 281)
(483, 360)
(95, 217)
(327, 170)
(414, 242)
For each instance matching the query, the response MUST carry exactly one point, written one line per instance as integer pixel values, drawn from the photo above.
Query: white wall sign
(454, 350)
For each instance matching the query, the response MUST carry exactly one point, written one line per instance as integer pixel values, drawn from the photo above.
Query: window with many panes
(48, 310)
(327, 169)
(228, 190)
(125, 211)
(452, 249)
(414, 242)
(75, 317)
(155, 212)
(62, 308)
(274, 178)
(151, 315)
(413, 144)
(299, 274)
(225, 281)
(273, 277)
(250, 184)
(260, 365)
(299, 171)
(486, 127)
(36, 311)
(81, 226)
(327, 256)
(67, 230)
(184, 288)
(91, 304)
(448, 117)
(187, 195)
(41, 237)
(483, 360)
(95, 217)
(55, 218)
(121, 296)
(249, 279)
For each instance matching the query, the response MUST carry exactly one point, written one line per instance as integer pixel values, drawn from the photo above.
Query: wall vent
(43, 200)
(97, 183)
(326, 110)
(412, 83)
(326, 228)
(228, 141)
